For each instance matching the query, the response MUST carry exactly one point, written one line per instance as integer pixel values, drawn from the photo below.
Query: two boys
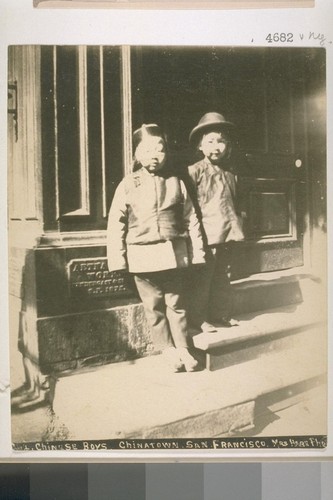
(153, 230)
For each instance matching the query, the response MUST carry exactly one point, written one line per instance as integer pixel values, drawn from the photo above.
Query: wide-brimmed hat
(146, 130)
(208, 122)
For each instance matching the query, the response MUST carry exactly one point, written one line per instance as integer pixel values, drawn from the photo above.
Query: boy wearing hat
(214, 190)
(153, 231)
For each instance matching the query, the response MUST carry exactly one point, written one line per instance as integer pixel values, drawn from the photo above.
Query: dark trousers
(208, 289)
(162, 297)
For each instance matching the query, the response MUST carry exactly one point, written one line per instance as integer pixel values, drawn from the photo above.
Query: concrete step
(259, 334)
(144, 400)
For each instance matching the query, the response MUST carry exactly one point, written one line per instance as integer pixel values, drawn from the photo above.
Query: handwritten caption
(282, 37)
(232, 443)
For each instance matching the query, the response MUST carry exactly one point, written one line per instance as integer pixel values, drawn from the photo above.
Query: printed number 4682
(279, 37)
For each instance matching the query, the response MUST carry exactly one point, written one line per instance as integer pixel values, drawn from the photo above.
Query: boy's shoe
(228, 322)
(172, 359)
(220, 323)
(207, 327)
(190, 363)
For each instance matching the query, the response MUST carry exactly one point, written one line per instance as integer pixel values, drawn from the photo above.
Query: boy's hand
(236, 233)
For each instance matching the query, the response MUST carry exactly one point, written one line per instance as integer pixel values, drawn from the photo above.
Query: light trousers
(163, 301)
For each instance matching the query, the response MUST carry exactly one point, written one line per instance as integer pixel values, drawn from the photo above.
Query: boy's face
(213, 146)
(151, 153)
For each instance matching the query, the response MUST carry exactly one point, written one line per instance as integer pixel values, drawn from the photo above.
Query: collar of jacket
(165, 172)
(209, 164)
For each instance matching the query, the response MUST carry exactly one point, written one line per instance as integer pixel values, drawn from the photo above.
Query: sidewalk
(144, 400)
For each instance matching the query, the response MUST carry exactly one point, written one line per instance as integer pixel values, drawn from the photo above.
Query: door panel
(81, 135)
(270, 209)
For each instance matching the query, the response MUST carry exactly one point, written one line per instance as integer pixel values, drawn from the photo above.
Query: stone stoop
(270, 290)
(120, 333)
(143, 400)
(297, 317)
(271, 350)
(262, 333)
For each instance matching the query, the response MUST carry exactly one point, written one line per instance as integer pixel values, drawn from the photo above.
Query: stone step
(142, 399)
(259, 334)
(273, 289)
(121, 332)
(269, 351)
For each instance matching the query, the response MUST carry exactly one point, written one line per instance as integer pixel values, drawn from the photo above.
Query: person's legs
(198, 287)
(152, 298)
(220, 302)
(150, 289)
(176, 314)
(175, 307)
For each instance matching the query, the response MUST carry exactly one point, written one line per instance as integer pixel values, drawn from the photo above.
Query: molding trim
(126, 108)
(73, 239)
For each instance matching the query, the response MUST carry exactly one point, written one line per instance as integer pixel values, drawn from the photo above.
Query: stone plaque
(91, 278)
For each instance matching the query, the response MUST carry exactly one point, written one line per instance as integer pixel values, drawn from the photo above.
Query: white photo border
(22, 24)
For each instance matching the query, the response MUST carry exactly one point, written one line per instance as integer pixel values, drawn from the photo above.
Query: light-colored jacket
(215, 190)
(152, 225)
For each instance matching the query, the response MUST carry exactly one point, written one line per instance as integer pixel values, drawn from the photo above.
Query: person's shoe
(190, 363)
(172, 359)
(228, 322)
(208, 327)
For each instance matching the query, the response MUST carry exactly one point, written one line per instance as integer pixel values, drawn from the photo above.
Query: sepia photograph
(167, 247)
